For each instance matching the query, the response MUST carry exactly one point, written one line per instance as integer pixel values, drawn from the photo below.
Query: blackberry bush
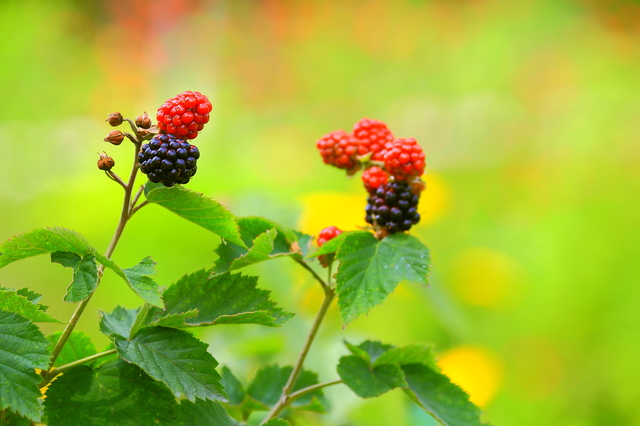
(155, 371)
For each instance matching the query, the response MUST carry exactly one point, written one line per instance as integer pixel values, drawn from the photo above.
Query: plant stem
(304, 391)
(55, 371)
(315, 275)
(285, 398)
(125, 215)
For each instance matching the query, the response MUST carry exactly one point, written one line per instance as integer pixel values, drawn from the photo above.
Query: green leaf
(266, 387)
(435, 393)
(23, 348)
(142, 284)
(416, 353)
(114, 394)
(85, 274)
(368, 382)
(78, 346)
(370, 270)
(119, 322)
(368, 350)
(13, 301)
(198, 209)
(304, 242)
(177, 359)
(333, 244)
(203, 413)
(222, 299)
(232, 386)
(69, 243)
(265, 240)
(277, 422)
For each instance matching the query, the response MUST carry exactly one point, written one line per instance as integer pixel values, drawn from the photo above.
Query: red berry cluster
(392, 167)
(184, 115)
(325, 235)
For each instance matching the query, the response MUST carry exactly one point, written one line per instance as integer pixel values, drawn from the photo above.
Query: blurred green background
(529, 115)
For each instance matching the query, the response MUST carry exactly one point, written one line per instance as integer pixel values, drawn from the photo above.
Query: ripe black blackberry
(168, 159)
(393, 207)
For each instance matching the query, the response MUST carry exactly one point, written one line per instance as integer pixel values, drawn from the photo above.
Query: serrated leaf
(142, 283)
(203, 413)
(114, 394)
(415, 353)
(266, 387)
(198, 209)
(78, 346)
(333, 244)
(119, 322)
(177, 359)
(23, 348)
(367, 381)
(368, 350)
(232, 386)
(85, 274)
(264, 240)
(32, 296)
(370, 270)
(277, 422)
(52, 240)
(13, 301)
(222, 299)
(444, 400)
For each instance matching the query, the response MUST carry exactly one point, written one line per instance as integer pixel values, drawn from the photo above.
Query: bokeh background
(528, 112)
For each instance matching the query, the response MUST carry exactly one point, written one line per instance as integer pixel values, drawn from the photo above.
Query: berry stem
(53, 372)
(114, 177)
(286, 396)
(125, 215)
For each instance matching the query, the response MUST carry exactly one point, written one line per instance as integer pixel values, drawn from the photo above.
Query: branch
(55, 371)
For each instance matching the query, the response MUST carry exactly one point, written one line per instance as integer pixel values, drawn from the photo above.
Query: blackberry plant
(155, 371)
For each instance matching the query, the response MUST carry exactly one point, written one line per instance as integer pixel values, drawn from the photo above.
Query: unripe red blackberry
(325, 235)
(168, 160)
(115, 137)
(404, 159)
(184, 115)
(339, 149)
(372, 136)
(114, 119)
(393, 208)
(373, 177)
(105, 162)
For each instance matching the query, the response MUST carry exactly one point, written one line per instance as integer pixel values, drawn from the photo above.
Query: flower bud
(143, 121)
(115, 119)
(105, 162)
(115, 137)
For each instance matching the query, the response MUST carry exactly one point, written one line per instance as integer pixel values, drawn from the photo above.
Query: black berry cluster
(168, 159)
(394, 207)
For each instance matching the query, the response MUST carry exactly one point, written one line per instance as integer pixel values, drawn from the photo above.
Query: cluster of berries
(391, 176)
(184, 115)
(168, 160)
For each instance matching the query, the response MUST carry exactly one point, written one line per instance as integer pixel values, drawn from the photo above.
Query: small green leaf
(198, 209)
(333, 244)
(368, 350)
(114, 394)
(119, 322)
(14, 301)
(370, 270)
(232, 386)
(23, 348)
(85, 274)
(203, 413)
(142, 284)
(304, 242)
(265, 240)
(266, 387)
(177, 359)
(435, 393)
(222, 299)
(277, 422)
(78, 346)
(368, 382)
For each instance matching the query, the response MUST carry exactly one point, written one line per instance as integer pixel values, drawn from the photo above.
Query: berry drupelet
(393, 208)
(168, 159)
(184, 115)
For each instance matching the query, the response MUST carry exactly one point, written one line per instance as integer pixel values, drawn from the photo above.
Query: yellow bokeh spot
(434, 201)
(323, 209)
(475, 370)
(484, 277)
